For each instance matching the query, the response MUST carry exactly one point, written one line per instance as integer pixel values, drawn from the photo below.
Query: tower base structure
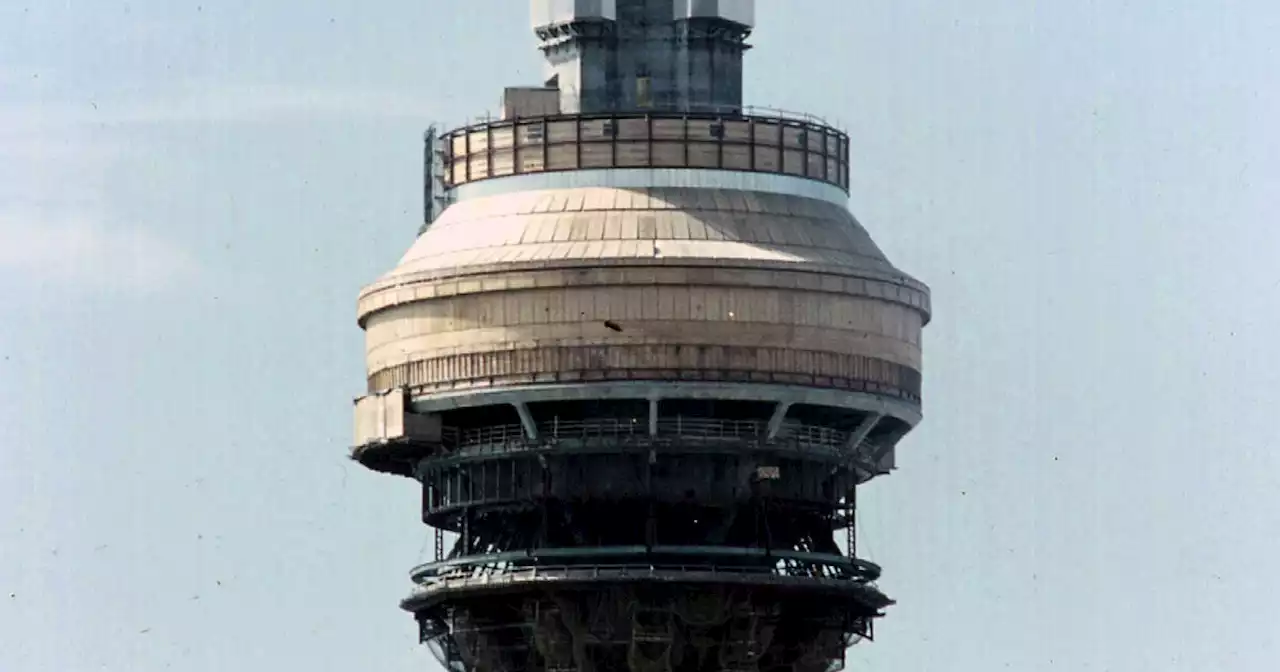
(644, 619)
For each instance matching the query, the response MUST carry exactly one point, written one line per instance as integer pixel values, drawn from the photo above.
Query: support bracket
(863, 430)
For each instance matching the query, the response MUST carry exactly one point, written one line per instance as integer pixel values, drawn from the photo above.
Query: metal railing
(703, 428)
(726, 111)
(482, 436)
(773, 143)
(813, 435)
(602, 428)
(781, 113)
(621, 428)
(507, 576)
(781, 563)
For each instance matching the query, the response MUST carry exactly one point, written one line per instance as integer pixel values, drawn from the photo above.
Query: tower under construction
(640, 358)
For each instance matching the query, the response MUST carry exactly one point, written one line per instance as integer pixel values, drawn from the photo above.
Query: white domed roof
(605, 225)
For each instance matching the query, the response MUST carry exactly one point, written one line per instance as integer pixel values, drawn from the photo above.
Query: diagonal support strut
(526, 420)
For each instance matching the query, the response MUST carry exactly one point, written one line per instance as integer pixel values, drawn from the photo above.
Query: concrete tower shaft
(640, 365)
(663, 55)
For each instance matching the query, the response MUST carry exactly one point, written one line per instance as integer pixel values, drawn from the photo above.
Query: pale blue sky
(191, 196)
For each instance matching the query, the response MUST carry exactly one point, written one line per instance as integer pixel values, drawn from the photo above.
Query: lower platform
(709, 609)
(646, 626)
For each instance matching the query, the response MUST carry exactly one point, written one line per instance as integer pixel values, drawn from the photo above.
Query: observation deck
(850, 579)
(778, 143)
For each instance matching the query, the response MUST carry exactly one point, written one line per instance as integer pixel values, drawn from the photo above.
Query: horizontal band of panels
(659, 178)
(653, 362)
(749, 143)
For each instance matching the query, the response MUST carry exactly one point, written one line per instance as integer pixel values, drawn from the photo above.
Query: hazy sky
(191, 196)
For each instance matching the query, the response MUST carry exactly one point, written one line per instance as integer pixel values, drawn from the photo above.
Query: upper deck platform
(778, 144)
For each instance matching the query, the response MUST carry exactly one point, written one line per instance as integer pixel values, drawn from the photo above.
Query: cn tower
(640, 359)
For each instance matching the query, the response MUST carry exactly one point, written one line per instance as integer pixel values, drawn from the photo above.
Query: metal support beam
(420, 471)
(526, 420)
(653, 417)
(860, 434)
(466, 531)
(775, 422)
(851, 525)
(883, 457)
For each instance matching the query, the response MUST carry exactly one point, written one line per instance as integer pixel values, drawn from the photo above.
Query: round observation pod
(640, 363)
